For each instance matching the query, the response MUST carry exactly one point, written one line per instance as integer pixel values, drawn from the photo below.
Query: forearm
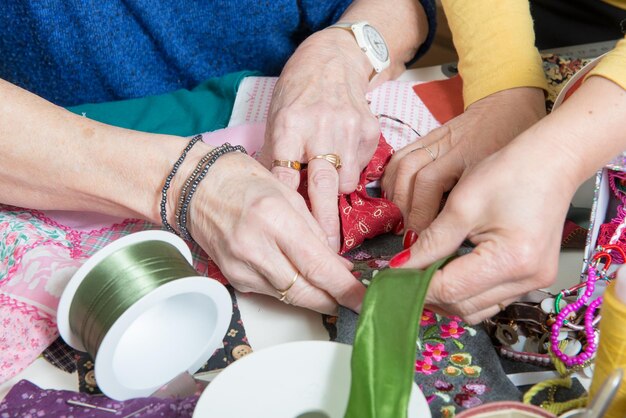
(582, 135)
(402, 23)
(53, 159)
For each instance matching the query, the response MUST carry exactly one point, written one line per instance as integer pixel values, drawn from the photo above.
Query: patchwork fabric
(38, 256)
(61, 355)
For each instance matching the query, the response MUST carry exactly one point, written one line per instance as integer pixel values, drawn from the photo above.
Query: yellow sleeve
(495, 42)
(613, 65)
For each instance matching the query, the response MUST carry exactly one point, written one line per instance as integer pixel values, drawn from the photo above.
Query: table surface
(270, 322)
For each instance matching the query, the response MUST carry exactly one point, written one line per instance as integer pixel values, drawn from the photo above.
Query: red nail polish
(400, 259)
(399, 227)
(409, 238)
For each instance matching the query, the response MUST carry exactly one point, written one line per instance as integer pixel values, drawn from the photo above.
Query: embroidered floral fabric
(456, 365)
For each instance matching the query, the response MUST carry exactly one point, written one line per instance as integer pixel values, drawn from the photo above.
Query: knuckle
(239, 286)
(445, 134)
(239, 245)
(324, 178)
(427, 175)
(238, 280)
(444, 295)
(406, 167)
(352, 121)
(288, 119)
(519, 260)
(349, 181)
(546, 279)
(265, 207)
(473, 319)
(371, 129)
(265, 215)
(328, 221)
(401, 197)
(286, 176)
(301, 296)
(428, 242)
(419, 218)
(315, 268)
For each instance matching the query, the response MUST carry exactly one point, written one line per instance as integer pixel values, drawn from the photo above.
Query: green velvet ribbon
(383, 357)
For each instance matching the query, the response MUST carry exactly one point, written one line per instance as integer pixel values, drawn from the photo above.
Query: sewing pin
(88, 405)
(132, 414)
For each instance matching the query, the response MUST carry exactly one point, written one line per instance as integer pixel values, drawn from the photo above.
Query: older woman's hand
(260, 233)
(419, 174)
(318, 108)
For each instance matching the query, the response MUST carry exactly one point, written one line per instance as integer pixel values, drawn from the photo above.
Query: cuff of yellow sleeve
(613, 65)
(523, 77)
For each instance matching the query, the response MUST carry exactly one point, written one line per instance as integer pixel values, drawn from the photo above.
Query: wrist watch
(371, 43)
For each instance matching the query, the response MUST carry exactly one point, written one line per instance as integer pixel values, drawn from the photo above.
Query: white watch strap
(342, 25)
(353, 28)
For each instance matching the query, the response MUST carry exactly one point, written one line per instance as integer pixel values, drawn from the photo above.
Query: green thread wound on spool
(117, 282)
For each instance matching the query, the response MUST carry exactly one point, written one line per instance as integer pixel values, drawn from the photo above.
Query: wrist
(528, 103)
(123, 172)
(334, 45)
(586, 131)
(545, 151)
(179, 181)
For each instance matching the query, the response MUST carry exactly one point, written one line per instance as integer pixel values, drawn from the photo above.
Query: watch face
(379, 48)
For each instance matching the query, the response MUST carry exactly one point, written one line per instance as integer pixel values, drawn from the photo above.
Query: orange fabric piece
(444, 98)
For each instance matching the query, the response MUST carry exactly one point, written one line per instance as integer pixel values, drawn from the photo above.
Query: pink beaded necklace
(593, 274)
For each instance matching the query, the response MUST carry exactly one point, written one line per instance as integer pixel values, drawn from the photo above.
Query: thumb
(442, 238)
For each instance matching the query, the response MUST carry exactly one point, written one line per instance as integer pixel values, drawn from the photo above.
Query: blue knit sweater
(78, 51)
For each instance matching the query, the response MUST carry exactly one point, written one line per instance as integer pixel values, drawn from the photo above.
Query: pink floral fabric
(39, 253)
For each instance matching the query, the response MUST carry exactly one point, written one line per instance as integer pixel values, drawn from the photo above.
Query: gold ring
(295, 165)
(283, 292)
(501, 306)
(429, 151)
(331, 158)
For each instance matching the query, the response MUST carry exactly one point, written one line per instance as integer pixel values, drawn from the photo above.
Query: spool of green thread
(140, 309)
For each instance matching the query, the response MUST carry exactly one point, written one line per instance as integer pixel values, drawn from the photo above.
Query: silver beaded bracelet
(169, 178)
(194, 180)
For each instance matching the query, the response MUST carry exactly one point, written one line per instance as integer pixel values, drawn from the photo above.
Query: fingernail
(409, 238)
(334, 243)
(399, 227)
(384, 195)
(400, 259)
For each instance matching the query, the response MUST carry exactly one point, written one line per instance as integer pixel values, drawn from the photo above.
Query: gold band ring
(295, 165)
(283, 292)
(331, 158)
